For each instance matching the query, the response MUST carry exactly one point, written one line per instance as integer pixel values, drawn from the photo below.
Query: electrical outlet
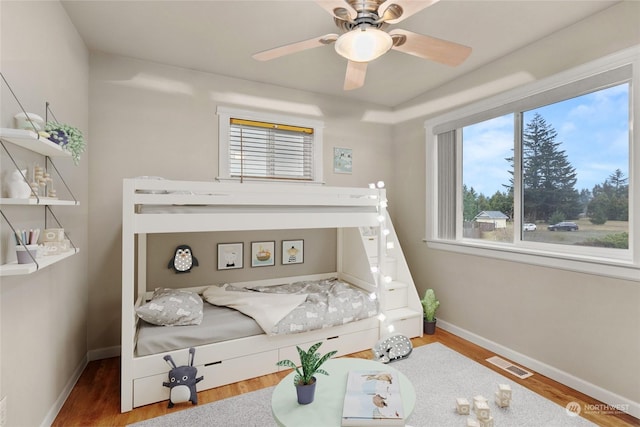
(3, 412)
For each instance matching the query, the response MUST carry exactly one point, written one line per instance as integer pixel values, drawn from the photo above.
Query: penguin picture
(183, 259)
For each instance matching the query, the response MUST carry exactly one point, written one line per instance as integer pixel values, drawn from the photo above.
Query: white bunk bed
(364, 260)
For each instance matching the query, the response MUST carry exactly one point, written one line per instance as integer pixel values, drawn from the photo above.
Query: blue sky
(593, 129)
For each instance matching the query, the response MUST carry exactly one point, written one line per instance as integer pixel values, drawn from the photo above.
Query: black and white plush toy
(183, 259)
(182, 381)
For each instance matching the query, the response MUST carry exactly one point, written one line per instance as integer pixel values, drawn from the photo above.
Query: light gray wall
(586, 326)
(151, 119)
(44, 314)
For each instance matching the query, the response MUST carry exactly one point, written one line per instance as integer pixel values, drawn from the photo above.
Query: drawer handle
(333, 338)
(213, 363)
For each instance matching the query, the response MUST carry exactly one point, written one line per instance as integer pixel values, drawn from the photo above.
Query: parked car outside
(564, 226)
(529, 227)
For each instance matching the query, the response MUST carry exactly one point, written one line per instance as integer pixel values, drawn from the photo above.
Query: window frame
(623, 264)
(225, 114)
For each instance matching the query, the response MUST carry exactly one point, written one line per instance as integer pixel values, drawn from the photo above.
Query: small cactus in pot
(429, 306)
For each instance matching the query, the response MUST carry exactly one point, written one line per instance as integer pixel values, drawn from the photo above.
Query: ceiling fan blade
(409, 7)
(288, 49)
(339, 9)
(438, 50)
(356, 72)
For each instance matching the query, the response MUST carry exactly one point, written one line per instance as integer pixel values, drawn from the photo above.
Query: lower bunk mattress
(218, 324)
(279, 309)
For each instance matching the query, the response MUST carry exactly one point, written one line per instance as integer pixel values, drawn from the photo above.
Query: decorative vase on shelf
(16, 186)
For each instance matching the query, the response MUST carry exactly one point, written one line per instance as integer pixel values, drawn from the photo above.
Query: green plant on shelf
(75, 142)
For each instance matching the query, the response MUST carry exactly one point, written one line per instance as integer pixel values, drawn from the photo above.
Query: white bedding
(266, 309)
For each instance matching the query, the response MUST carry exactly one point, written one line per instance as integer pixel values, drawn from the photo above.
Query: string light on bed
(384, 231)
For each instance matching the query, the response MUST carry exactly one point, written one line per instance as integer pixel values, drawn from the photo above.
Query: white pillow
(172, 307)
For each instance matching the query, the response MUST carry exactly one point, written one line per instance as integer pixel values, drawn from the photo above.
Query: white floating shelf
(32, 141)
(41, 202)
(15, 269)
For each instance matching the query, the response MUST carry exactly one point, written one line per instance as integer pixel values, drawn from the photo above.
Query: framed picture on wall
(263, 254)
(230, 255)
(342, 160)
(292, 251)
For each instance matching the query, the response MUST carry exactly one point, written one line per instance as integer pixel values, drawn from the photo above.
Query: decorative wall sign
(263, 253)
(342, 160)
(183, 259)
(230, 255)
(292, 251)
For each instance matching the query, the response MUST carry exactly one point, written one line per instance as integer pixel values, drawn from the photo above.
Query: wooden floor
(95, 400)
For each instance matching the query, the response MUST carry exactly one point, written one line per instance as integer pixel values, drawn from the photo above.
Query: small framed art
(230, 255)
(292, 251)
(263, 254)
(342, 160)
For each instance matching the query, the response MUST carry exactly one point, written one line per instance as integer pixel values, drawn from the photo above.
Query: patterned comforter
(328, 302)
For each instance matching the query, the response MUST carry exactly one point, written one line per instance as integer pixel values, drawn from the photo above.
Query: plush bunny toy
(182, 381)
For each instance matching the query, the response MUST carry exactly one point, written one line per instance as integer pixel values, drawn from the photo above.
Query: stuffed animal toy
(183, 259)
(182, 381)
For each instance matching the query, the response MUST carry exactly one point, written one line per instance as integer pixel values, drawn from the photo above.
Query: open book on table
(372, 398)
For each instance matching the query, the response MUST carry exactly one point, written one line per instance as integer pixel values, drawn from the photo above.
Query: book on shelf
(372, 398)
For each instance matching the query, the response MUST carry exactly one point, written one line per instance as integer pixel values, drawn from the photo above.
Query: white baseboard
(103, 353)
(66, 391)
(616, 401)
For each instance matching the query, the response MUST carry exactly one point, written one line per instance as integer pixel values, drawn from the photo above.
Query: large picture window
(547, 175)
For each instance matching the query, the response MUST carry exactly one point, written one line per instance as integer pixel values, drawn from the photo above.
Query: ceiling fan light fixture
(363, 44)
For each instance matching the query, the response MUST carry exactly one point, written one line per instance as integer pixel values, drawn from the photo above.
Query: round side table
(326, 409)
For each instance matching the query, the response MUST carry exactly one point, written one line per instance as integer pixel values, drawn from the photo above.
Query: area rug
(439, 376)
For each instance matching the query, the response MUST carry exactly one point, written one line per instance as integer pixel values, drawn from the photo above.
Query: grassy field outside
(586, 231)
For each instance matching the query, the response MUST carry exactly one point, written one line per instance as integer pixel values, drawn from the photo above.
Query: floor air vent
(510, 367)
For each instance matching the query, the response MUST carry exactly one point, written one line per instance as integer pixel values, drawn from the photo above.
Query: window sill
(269, 181)
(619, 269)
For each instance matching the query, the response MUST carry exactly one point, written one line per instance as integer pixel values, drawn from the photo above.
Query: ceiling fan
(363, 38)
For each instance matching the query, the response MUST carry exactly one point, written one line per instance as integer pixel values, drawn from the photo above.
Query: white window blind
(270, 150)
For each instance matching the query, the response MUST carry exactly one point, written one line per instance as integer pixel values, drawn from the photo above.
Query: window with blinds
(270, 150)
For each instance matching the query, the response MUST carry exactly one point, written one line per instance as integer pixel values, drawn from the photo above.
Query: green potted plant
(68, 137)
(429, 306)
(304, 379)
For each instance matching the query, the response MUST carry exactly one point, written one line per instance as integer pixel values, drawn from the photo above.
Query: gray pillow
(172, 307)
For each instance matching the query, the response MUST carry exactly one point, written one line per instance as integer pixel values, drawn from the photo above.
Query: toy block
(478, 399)
(472, 423)
(482, 410)
(487, 422)
(462, 406)
(501, 401)
(505, 391)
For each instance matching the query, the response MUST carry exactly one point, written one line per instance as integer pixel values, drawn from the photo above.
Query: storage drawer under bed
(216, 373)
(343, 344)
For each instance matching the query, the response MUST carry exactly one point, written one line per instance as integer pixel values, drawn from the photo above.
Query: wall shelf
(42, 201)
(32, 141)
(15, 269)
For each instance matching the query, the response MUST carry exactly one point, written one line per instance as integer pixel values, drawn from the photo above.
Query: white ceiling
(220, 36)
